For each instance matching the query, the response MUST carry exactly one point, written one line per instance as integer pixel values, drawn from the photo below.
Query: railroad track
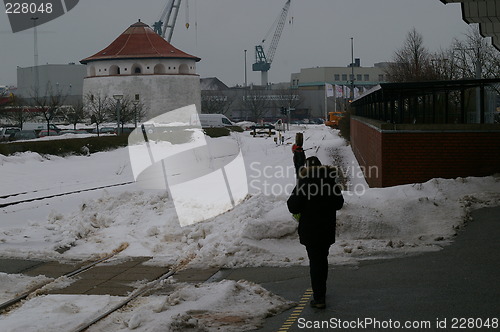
(8, 305)
(137, 293)
(3, 205)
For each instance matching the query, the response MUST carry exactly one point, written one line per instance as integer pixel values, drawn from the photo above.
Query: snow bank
(375, 222)
(390, 221)
(56, 312)
(12, 285)
(224, 306)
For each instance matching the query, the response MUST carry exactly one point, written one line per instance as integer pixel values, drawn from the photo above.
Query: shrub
(73, 146)
(63, 147)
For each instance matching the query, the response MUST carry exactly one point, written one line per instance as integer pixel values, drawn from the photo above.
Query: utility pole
(246, 85)
(352, 69)
(35, 54)
(245, 69)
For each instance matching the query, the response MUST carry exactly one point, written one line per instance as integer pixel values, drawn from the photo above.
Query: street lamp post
(35, 53)
(118, 99)
(245, 68)
(245, 89)
(352, 68)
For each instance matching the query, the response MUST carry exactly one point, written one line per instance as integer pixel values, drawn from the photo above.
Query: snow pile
(12, 285)
(390, 221)
(224, 306)
(148, 222)
(21, 158)
(412, 217)
(375, 222)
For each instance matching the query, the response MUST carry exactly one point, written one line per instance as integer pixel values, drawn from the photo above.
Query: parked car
(22, 135)
(7, 131)
(46, 132)
(37, 126)
(105, 130)
(72, 131)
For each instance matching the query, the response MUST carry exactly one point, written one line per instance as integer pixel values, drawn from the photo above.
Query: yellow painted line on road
(306, 297)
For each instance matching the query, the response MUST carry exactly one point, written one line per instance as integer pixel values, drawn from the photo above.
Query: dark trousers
(318, 269)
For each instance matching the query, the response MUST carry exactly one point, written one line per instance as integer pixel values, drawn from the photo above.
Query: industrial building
(51, 79)
(315, 78)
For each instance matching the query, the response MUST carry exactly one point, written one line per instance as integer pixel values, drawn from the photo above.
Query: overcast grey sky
(220, 31)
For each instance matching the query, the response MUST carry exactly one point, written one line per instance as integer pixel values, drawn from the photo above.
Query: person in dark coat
(316, 198)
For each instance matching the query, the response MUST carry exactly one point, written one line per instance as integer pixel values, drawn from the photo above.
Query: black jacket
(316, 197)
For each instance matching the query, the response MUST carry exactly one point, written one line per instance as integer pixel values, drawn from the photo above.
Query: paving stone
(113, 278)
(52, 269)
(113, 291)
(195, 275)
(97, 274)
(78, 287)
(127, 277)
(16, 266)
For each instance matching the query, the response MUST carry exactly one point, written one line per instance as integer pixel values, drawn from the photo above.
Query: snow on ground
(222, 306)
(374, 223)
(55, 312)
(16, 284)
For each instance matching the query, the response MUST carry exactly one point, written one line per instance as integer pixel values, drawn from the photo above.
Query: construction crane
(166, 22)
(262, 60)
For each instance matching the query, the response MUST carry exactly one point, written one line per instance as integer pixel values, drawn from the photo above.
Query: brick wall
(414, 156)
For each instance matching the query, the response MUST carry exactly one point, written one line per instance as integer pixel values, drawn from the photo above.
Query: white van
(38, 126)
(210, 120)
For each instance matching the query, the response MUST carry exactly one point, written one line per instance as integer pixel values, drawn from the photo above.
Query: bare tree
(130, 112)
(97, 107)
(474, 56)
(76, 114)
(48, 103)
(18, 112)
(412, 62)
(443, 65)
(257, 102)
(214, 101)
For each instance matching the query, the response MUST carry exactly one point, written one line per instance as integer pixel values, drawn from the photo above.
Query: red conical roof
(139, 41)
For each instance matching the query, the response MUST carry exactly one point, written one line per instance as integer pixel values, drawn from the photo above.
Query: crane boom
(277, 34)
(263, 60)
(166, 22)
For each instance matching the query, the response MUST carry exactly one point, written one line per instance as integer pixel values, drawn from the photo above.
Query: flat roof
(406, 89)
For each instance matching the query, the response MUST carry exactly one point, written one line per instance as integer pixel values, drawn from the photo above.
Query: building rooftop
(139, 41)
(484, 12)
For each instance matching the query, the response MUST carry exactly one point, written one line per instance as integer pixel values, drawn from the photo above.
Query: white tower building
(140, 64)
